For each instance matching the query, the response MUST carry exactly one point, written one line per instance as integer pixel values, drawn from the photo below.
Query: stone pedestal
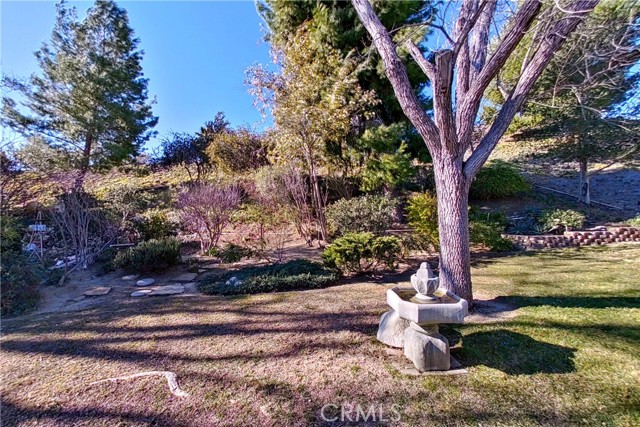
(391, 329)
(426, 348)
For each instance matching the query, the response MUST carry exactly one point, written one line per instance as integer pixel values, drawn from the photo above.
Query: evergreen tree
(334, 25)
(90, 99)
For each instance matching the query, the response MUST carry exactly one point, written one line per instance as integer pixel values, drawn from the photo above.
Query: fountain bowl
(448, 308)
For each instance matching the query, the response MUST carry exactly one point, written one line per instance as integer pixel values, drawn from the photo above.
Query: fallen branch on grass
(172, 380)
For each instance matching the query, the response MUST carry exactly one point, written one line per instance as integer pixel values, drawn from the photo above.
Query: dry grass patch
(570, 357)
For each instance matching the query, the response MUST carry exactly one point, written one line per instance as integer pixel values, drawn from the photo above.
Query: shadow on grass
(514, 353)
(17, 415)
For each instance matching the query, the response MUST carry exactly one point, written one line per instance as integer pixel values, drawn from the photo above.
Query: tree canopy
(90, 98)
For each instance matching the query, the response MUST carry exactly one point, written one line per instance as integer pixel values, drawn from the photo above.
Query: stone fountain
(412, 322)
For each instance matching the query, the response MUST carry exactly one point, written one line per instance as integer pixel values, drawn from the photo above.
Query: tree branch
(550, 43)
(397, 74)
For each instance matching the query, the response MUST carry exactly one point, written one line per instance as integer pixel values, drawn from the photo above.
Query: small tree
(313, 100)
(206, 210)
(187, 151)
(91, 98)
(575, 98)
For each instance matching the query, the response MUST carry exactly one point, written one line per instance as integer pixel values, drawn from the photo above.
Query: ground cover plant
(292, 275)
(568, 356)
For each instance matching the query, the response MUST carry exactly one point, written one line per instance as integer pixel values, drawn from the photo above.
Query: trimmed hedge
(292, 275)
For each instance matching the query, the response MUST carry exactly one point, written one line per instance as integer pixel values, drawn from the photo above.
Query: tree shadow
(17, 415)
(514, 353)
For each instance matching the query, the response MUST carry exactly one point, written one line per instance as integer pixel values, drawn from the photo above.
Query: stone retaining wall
(577, 238)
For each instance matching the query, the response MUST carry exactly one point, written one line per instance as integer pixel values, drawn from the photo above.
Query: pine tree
(90, 99)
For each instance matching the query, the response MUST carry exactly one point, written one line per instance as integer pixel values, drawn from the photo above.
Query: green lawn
(571, 355)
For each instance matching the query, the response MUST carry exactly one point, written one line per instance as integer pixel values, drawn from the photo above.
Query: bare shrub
(206, 210)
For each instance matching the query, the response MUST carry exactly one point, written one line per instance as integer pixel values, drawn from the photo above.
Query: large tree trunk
(449, 133)
(585, 185)
(453, 227)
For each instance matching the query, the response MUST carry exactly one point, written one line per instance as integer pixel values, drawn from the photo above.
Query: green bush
(154, 224)
(422, 215)
(489, 235)
(361, 252)
(18, 276)
(486, 228)
(373, 214)
(151, 255)
(294, 274)
(634, 222)
(498, 180)
(566, 217)
(233, 253)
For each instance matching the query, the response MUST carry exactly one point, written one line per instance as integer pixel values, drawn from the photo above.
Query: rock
(145, 282)
(202, 270)
(210, 266)
(141, 293)
(391, 329)
(427, 352)
(101, 290)
(185, 277)
(130, 277)
(233, 281)
(77, 299)
(167, 290)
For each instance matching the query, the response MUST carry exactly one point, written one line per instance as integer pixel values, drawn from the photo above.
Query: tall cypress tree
(90, 98)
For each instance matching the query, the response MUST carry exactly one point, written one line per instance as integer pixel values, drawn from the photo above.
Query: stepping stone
(167, 290)
(101, 290)
(141, 293)
(210, 266)
(185, 277)
(145, 282)
(130, 277)
(202, 270)
(77, 299)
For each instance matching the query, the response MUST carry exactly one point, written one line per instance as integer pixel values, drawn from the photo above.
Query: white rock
(130, 277)
(145, 282)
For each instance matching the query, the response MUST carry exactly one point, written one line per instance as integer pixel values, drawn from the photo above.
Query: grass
(571, 356)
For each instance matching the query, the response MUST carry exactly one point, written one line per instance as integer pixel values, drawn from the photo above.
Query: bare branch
(397, 74)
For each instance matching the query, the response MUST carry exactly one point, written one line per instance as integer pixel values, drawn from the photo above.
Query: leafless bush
(83, 228)
(206, 210)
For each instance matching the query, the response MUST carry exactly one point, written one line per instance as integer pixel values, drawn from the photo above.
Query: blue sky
(196, 53)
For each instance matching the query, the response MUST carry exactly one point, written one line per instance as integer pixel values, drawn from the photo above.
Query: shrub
(634, 222)
(154, 224)
(498, 180)
(233, 253)
(295, 274)
(150, 255)
(486, 228)
(361, 252)
(489, 235)
(206, 210)
(373, 214)
(422, 215)
(19, 277)
(566, 217)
